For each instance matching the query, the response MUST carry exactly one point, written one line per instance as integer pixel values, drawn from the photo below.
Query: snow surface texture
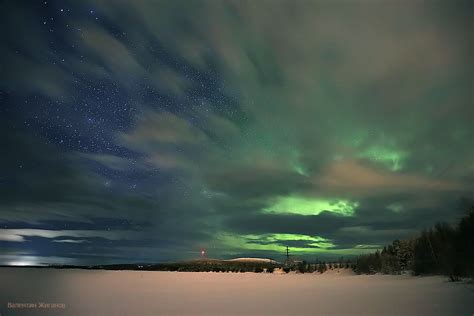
(89, 292)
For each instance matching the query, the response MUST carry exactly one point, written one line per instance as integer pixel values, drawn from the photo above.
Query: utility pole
(287, 254)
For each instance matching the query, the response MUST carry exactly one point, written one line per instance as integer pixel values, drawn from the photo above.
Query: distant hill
(252, 260)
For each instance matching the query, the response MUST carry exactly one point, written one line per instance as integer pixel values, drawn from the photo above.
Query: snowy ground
(87, 292)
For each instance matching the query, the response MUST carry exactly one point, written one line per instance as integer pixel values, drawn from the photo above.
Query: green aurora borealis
(311, 206)
(147, 131)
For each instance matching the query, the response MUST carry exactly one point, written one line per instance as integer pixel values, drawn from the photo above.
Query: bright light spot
(21, 263)
(24, 261)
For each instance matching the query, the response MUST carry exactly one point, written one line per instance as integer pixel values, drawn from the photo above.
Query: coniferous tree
(445, 249)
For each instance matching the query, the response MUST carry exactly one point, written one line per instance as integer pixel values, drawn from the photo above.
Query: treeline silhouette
(443, 249)
(235, 266)
(319, 266)
(205, 265)
(215, 265)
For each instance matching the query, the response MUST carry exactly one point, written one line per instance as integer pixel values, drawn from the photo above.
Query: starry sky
(147, 131)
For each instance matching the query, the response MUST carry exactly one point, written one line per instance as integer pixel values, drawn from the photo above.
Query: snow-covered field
(87, 292)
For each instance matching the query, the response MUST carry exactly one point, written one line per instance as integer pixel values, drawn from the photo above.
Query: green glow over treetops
(310, 206)
(277, 243)
(313, 241)
(391, 158)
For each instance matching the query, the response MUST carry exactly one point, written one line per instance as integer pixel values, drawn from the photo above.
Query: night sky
(147, 131)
